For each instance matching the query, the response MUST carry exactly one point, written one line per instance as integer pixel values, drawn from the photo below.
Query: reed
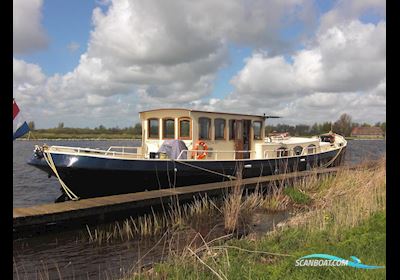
(232, 206)
(351, 197)
(176, 217)
(338, 204)
(331, 200)
(276, 200)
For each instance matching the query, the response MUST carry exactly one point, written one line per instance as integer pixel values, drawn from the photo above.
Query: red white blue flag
(20, 126)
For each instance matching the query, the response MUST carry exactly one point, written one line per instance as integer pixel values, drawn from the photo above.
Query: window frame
(149, 128)
(215, 129)
(231, 129)
(164, 126)
(254, 131)
(209, 128)
(282, 152)
(179, 128)
(311, 146)
(294, 150)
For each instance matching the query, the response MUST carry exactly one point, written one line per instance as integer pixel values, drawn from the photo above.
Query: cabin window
(219, 125)
(232, 129)
(257, 130)
(298, 150)
(282, 152)
(204, 128)
(184, 128)
(153, 128)
(168, 128)
(311, 149)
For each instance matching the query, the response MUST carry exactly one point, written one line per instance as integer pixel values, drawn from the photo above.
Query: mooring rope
(333, 159)
(47, 156)
(230, 177)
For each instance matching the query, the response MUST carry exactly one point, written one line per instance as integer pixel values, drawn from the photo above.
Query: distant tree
(137, 130)
(383, 127)
(302, 130)
(366, 125)
(315, 129)
(343, 125)
(31, 125)
(354, 124)
(326, 127)
(60, 125)
(269, 129)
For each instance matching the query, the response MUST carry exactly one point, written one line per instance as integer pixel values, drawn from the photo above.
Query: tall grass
(344, 200)
(335, 201)
(200, 212)
(338, 203)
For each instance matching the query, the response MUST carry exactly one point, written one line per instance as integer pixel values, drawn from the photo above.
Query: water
(32, 187)
(71, 255)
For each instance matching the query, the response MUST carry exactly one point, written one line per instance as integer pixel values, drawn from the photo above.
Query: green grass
(297, 196)
(367, 241)
(346, 218)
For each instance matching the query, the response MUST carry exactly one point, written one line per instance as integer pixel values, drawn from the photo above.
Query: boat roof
(200, 111)
(294, 140)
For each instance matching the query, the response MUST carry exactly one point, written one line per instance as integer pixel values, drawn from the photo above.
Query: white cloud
(345, 10)
(148, 54)
(28, 32)
(344, 71)
(157, 53)
(346, 57)
(73, 46)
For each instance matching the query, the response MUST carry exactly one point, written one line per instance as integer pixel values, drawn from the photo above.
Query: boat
(183, 147)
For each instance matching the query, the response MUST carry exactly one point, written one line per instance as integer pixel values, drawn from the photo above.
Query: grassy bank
(274, 256)
(342, 215)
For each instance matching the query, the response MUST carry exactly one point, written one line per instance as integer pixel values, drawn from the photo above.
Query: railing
(80, 150)
(214, 153)
(291, 152)
(122, 148)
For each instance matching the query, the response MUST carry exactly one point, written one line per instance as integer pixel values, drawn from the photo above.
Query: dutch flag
(20, 126)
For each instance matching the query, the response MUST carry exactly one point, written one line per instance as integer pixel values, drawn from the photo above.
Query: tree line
(101, 129)
(343, 126)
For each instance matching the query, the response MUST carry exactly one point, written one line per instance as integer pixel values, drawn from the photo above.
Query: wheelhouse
(227, 135)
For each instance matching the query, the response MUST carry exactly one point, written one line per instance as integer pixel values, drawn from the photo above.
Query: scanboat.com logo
(329, 260)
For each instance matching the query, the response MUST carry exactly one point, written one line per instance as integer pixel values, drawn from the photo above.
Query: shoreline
(77, 139)
(121, 139)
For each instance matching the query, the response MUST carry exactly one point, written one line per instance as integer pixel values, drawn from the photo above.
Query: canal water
(70, 255)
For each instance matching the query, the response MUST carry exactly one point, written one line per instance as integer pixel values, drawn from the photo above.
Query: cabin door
(246, 138)
(242, 138)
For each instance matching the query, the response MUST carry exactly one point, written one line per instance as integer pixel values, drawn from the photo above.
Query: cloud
(343, 71)
(73, 46)
(28, 32)
(346, 57)
(345, 10)
(157, 53)
(149, 54)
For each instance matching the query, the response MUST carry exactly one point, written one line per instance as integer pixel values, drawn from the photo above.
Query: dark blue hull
(89, 176)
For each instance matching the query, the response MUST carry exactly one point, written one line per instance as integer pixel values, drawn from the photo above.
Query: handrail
(122, 149)
(80, 150)
(291, 151)
(214, 151)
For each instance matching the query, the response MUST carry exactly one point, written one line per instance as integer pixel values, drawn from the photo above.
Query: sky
(101, 62)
